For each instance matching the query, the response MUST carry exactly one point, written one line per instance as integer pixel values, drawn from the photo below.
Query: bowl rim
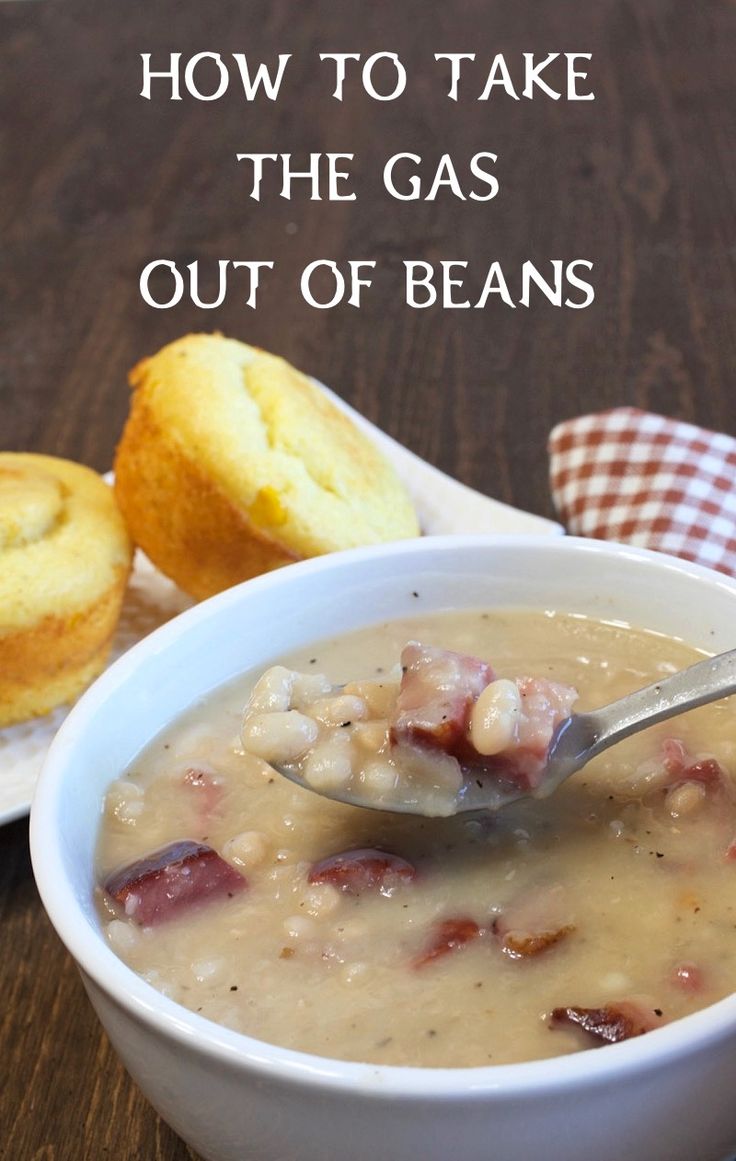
(129, 991)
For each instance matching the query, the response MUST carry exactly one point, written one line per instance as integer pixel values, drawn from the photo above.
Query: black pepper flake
(431, 1031)
(233, 987)
(229, 894)
(479, 784)
(167, 746)
(383, 1043)
(270, 781)
(403, 668)
(344, 724)
(659, 854)
(657, 1011)
(312, 660)
(415, 594)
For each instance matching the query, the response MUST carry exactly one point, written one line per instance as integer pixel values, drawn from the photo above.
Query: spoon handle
(699, 684)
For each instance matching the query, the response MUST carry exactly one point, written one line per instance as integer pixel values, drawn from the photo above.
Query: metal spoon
(576, 740)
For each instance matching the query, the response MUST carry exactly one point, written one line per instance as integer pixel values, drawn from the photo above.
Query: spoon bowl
(576, 740)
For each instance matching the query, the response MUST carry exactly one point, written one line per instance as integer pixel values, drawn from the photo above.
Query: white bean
(330, 763)
(272, 692)
(248, 849)
(495, 716)
(207, 969)
(333, 711)
(379, 696)
(125, 800)
(616, 982)
(307, 688)
(685, 799)
(279, 737)
(379, 778)
(322, 899)
(433, 769)
(123, 936)
(300, 927)
(372, 735)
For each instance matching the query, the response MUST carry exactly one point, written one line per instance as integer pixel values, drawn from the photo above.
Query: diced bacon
(535, 922)
(446, 936)
(209, 792)
(522, 946)
(361, 870)
(181, 876)
(613, 1022)
(438, 689)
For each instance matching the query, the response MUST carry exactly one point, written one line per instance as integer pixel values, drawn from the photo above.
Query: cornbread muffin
(65, 556)
(233, 463)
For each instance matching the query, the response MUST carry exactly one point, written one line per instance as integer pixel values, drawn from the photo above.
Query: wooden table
(97, 182)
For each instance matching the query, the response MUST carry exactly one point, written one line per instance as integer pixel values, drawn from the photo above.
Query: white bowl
(666, 1096)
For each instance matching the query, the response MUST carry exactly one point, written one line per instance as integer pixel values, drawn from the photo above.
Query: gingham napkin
(643, 479)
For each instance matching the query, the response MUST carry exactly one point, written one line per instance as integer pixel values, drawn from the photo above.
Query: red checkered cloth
(643, 479)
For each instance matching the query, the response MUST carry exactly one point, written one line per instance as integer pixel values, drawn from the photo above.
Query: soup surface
(549, 927)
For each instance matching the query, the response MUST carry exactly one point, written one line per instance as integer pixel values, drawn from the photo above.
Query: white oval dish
(666, 1095)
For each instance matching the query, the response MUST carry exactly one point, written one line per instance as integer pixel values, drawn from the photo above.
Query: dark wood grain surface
(95, 183)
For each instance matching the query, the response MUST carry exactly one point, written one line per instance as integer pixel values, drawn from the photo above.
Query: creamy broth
(635, 876)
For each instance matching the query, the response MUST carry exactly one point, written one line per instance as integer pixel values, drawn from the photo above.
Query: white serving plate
(443, 506)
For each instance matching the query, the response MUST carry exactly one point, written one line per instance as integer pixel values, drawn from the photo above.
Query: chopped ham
(688, 977)
(674, 767)
(535, 922)
(707, 771)
(438, 689)
(544, 704)
(436, 698)
(178, 877)
(446, 936)
(208, 791)
(361, 870)
(613, 1022)
(681, 767)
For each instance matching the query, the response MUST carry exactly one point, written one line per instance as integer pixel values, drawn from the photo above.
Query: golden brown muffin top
(62, 539)
(275, 444)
